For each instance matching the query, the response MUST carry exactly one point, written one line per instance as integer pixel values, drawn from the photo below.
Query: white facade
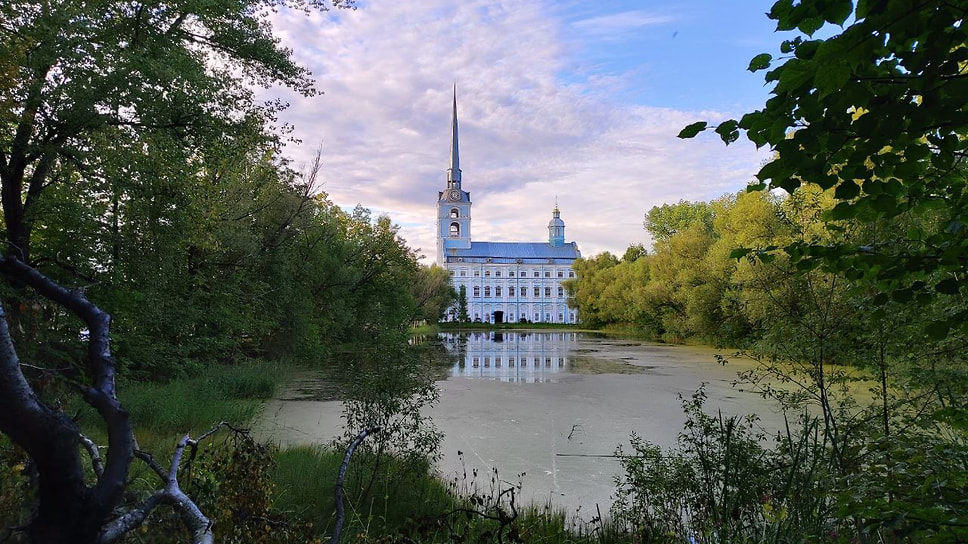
(505, 282)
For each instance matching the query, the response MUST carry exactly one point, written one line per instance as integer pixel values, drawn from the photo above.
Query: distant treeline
(720, 273)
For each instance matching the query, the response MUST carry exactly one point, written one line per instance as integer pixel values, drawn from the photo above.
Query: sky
(570, 101)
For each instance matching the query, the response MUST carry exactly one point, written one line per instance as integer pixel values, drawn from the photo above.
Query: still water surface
(552, 406)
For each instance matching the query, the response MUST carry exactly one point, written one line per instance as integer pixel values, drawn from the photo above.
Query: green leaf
(884, 203)
(810, 25)
(902, 295)
(760, 62)
(691, 130)
(947, 286)
(727, 131)
(831, 78)
(937, 330)
(847, 190)
(837, 12)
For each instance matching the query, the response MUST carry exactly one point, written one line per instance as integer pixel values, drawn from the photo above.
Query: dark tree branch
(340, 512)
(50, 438)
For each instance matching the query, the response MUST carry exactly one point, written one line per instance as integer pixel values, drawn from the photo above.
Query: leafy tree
(462, 314)
(633, 253)
(667, 220)
(113, 114)
(432, 293)
(877, 113)
(875, 118)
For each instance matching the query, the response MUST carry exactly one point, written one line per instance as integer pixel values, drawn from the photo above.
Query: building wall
(530, 290)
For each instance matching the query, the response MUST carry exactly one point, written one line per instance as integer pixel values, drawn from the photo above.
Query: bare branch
(92, 451)
(171, 494)
(340, 512)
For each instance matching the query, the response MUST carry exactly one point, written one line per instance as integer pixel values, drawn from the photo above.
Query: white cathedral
(505, 282)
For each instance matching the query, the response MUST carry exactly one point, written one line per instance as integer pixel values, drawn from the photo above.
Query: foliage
(877, 114)
(462, 315)
(388, 387)
(874, 119)
(232, 479)
(143, 188)
(433, 293)
(721, 483)
(663, 222)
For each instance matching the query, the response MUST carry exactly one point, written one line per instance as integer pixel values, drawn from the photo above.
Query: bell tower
(453, 203)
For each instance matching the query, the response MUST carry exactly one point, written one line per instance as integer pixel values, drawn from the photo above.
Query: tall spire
(453, 173)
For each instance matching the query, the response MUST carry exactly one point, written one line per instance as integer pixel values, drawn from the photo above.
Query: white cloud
(615, 23)
(387, 70)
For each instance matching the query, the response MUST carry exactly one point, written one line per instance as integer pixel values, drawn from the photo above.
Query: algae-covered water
(553, 406)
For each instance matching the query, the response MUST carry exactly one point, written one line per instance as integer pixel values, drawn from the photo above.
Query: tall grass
(305, 478)
(192, 405)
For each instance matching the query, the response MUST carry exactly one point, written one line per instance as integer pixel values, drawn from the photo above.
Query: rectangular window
(536, 274)
(547, 291)
(497, 273)
(487, 291)
(487, 273)
(477, 292)
(571, 273)
(561, 317)
(537, 292)
(537, 316)
(547, 273)
(561, 291)
(511, 274)
(561, 274)
(497, 291)
(477, 273)
(511, 293)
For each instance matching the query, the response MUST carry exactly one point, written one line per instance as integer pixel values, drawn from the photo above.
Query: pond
(552, 406)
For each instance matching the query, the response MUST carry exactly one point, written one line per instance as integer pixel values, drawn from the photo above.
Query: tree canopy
(152, 230)
(876, 112)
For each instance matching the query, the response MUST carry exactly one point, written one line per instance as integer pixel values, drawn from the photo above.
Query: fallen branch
(199, 525)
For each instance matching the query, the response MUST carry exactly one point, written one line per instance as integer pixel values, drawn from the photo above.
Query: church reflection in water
(519, 356)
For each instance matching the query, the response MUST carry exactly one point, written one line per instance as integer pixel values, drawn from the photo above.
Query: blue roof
(511, 251)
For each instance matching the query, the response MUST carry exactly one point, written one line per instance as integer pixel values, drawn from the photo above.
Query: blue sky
(575, 100)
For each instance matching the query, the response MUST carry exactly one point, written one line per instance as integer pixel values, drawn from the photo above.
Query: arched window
(454, 213)
(455, 230)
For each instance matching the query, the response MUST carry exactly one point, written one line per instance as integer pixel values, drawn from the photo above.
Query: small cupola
(556, 229)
